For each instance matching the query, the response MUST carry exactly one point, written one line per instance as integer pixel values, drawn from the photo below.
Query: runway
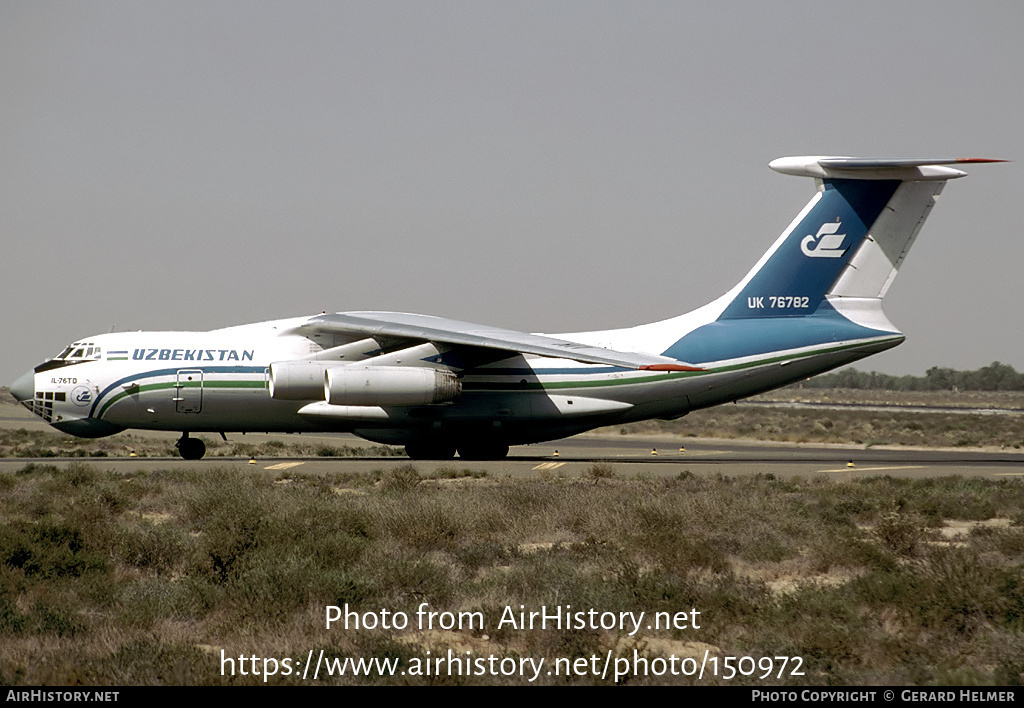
(628, 456)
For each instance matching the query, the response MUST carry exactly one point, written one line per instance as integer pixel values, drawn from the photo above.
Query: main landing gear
(483, 451)
(190, 448)
(430, 451)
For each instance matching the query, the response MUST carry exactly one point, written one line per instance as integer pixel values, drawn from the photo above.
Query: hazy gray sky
(546, 166)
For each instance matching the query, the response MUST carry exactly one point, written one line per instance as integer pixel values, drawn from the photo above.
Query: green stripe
(242, 384)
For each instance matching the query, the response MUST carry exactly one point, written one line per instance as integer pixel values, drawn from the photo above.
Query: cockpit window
(80, 351)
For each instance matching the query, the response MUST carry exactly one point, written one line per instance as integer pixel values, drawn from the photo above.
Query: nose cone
(24, 389)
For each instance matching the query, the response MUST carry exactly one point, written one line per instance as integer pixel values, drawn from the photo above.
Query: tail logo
(826, 243)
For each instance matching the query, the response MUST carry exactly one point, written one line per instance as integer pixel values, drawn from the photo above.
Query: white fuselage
(218, 381)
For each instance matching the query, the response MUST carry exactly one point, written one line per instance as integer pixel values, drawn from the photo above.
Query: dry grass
(1000, 400)
(45, 443)
(845, 426)
(144, 578)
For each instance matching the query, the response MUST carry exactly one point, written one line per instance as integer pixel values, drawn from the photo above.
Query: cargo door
(188, 397)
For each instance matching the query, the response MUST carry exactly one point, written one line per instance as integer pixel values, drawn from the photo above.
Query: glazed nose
(24, 389)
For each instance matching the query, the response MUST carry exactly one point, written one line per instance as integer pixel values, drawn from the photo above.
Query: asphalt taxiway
(627, 455)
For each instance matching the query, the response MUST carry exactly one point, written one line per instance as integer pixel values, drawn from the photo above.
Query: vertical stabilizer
(803, 265)
(850, 240)
(820, 284)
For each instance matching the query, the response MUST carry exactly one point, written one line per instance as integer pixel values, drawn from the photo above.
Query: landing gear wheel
(430, 451)
(483, 451)
(191, 448)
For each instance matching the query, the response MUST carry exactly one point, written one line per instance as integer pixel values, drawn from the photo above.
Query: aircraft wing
(440, 330)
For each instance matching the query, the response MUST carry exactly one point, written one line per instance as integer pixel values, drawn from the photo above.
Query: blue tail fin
(849, 240)
(806, 261)
(819, 287)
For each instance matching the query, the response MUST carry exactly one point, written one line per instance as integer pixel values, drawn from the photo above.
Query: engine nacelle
(355, 385)
(297, 380)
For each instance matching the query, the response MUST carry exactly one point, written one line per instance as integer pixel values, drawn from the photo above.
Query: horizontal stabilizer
(854, 163)
(874, 168)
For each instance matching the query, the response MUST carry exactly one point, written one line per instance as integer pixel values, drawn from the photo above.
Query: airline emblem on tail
(826, 243)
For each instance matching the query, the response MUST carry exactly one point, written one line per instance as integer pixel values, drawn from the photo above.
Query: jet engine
(297, 380)
(389, 386)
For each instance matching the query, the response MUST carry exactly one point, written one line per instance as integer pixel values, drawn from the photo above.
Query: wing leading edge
(441, 330)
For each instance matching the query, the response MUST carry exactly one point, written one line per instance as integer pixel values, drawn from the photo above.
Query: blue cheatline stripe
(142, 376)
(736, 338)
(810, 260)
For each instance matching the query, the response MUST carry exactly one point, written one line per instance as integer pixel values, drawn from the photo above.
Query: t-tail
(819, 288)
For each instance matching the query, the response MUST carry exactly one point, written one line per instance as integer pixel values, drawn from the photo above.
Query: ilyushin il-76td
(439, 386)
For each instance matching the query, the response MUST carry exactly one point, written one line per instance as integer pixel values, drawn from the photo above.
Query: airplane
(438, 386)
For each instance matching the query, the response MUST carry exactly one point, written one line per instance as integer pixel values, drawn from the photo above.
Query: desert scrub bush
(229, 510)
(144, 602)
(240, 450)
(402, 478)
(160, 548)
(147, 660)
(536, 577)
(224, 495)
(839, 513)
(428, 522)
(959, 591)
(902, 534)
(51, 548)
(767, 549)
(600, 470)
(484, 554)
(828, 628)
(273, 549)
(404, 578)
(1011, 589)
(629, 584)
(325, 450)
(948, 590)
(953, 497)
(446, 472)
(37, 469)
(1008, 542)
(56, 618)
(849, 549)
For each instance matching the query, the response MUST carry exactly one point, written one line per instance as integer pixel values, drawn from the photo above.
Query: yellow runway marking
(549, 465)
(876, 469)
(284, 465)
(1009, 474)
